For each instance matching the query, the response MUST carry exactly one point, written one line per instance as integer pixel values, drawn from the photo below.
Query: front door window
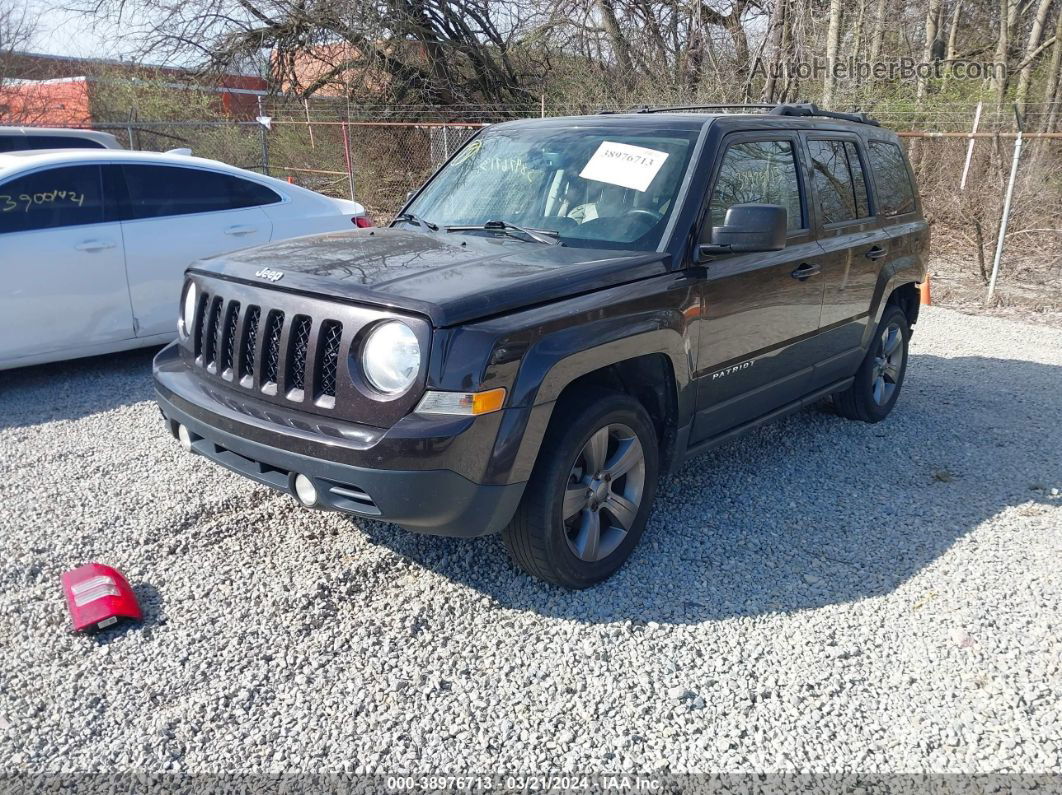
(758, 172)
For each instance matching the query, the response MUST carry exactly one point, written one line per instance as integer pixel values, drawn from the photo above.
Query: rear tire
(877, 383)
(590, 493)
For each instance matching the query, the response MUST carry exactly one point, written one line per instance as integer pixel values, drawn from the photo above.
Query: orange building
(57, 91)
(336, 70)
(62, 102)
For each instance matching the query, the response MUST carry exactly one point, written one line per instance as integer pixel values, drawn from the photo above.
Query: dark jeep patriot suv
(569, 308)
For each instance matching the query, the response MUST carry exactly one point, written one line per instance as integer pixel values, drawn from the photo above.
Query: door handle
(877, 252)
(240, 229)
(805, 271)
(94, 245)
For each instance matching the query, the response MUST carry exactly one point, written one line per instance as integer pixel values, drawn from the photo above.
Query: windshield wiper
(505, 226)
(418, 221)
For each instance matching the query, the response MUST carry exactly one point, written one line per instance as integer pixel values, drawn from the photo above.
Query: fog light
(185, 438)
(305, 491)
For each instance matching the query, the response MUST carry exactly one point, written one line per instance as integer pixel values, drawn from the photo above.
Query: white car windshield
(592, 187)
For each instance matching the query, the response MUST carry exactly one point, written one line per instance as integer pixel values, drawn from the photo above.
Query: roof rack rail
(791, 109)
(681, 108)
(811, 109)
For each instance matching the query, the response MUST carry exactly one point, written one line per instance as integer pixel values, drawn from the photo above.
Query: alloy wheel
(604, 492)
(888, 364)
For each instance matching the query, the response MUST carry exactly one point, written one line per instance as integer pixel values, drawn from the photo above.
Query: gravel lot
(820, 596)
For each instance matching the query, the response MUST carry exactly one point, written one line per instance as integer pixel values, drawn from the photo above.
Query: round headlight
(188, 309)
(391, 357)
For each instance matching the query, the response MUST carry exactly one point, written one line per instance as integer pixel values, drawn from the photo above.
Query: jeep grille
(210, 344)
(250, 339)
(290, 350)
(300, 338)
(331, 336)
(232, 313)
(220, 350)
(274, 326)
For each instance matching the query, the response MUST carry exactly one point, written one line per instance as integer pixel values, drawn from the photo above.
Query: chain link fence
(329, 148)
(374, 163)
(966, 218)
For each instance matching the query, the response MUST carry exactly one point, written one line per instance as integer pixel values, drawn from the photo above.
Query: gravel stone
(801, 599)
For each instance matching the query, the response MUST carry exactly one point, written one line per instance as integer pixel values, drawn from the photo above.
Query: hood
(451, 278)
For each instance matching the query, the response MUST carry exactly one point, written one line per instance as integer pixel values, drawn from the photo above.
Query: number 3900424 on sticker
(624, 165)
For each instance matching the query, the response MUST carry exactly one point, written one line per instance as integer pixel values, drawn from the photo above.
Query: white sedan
(94, 243)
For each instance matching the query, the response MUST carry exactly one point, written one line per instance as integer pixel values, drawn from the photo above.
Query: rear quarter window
(893, 181)
(160, 191)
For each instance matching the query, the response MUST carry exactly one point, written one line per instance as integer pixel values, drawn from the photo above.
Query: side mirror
(748, 227)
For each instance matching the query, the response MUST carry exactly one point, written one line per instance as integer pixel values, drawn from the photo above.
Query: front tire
(590, 493)
(877, 383)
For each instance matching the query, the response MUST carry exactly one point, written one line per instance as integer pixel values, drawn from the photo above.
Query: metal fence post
(347, 158)
(970, 146)
(309, 126)
(1006, 210)
(265, 150)
(129, 129)
(263, 123)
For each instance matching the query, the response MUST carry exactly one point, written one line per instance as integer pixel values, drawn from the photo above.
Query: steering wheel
(652, 217)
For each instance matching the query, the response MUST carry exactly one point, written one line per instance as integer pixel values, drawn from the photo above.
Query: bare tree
(1051, 96)
(999, 80)
(17, 27)
(778, 39)
(833, 43)
(857, 30)
(615, 36)
(877, 35)
(593, 52)
(440, 52)
(932, 33)
(1033, 48)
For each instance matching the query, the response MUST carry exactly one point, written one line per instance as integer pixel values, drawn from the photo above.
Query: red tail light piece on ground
(362, 221)
(98, 596)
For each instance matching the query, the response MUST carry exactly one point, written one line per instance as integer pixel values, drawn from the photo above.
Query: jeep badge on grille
(270, 274)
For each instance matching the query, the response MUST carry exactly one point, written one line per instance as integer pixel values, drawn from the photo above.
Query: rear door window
(859, 180)
(55, 197)
(160, 191)
(893, 182)
(840, 186)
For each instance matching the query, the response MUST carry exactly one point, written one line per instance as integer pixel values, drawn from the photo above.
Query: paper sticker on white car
(624, 165)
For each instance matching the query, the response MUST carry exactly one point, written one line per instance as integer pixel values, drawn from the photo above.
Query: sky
(62, 32)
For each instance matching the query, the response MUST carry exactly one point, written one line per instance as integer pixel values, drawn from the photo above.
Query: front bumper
(253, 443)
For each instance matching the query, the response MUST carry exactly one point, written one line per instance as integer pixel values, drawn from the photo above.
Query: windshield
(599, 188)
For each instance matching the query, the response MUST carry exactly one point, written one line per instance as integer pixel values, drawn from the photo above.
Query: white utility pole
(1006, 210)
